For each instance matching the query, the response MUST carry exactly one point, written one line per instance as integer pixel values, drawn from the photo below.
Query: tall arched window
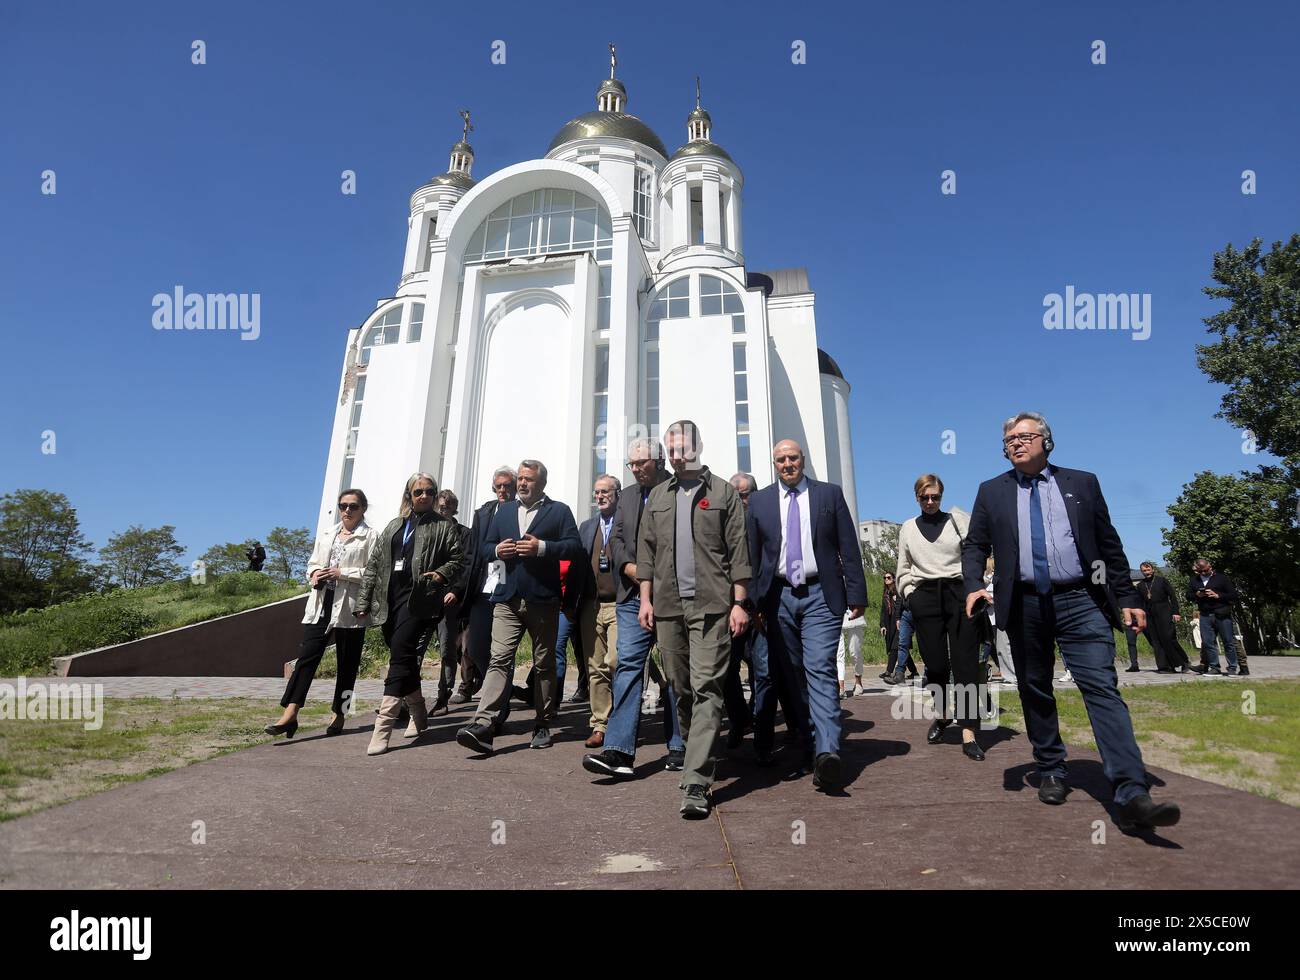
(384, 331)
(672, 303)
(543, 221)
(718, 297)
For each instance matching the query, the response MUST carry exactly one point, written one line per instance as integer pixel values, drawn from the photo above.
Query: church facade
(562, 306)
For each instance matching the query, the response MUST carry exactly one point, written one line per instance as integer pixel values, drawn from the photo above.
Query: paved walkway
(317, 812)
(369, 691)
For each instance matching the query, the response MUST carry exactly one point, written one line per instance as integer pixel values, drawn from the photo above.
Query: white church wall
(696, 382)
(839, 447)
(338, 438)
(795, 380)
(382, 465)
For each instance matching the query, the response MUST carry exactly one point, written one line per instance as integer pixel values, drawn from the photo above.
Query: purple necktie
(794, 542)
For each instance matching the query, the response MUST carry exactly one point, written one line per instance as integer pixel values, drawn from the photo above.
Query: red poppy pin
(704, 503)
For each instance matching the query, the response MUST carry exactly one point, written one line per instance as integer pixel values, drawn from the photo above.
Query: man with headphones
(1060, 578)
(645, 458)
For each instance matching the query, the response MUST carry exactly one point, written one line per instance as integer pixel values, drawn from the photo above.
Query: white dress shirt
(805, 529)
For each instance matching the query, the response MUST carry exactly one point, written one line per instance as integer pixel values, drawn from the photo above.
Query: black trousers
(891, 646)
(407, 637)
(949, 646)
(1160, 634)
(315, 638)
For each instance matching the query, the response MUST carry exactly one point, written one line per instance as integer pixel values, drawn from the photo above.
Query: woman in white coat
(334, 573)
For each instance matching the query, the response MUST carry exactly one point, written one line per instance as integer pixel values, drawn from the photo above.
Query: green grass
(29, 641)
(1201, 729)
(45, 763)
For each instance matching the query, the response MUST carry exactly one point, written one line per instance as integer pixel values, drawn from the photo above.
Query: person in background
(484, 573)
(334, 572)
(853, 630)
(598, 605)
(256, 556)
(453, 630)
(645, 458)
(403, 591)
(891, 614)
(1160, 602)
(904, 662)
(930, 578)
(1214, 593)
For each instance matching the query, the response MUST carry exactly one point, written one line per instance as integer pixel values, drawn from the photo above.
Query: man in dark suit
(645, 458)
(1161, 606)
(1213, 593)
(1061, 578)
(530, 535)
(807, 571)
(478, 641)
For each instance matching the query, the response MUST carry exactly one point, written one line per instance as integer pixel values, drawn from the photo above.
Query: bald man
(807, 567)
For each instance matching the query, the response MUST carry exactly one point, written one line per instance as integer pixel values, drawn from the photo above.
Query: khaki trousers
(509, 622)
(696, 650)
(599, 625)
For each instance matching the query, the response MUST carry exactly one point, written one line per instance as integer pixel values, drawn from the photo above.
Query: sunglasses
(930, 496)
(349, 507)
(423, 493)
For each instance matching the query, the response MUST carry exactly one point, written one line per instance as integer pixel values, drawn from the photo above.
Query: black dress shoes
(972, 750)
(935, 735)
(1052, 790)
(1245, 671)
(1142, 812)
(476, 738)
(287, 730)
(805, 766)
(1133, 670)
(827, 771)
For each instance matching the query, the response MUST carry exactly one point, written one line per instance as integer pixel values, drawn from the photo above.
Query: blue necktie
(1038, 540)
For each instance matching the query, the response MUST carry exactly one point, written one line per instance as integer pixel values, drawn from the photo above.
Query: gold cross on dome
(613, 59)
(464, 114)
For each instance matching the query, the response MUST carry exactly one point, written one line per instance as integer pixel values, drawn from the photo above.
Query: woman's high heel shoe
(335, 727)
(286, 729)
(442, 701)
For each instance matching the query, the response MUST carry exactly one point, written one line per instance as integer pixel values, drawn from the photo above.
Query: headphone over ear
(1048, 446)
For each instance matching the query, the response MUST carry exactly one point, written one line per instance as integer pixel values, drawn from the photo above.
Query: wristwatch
(746, 604)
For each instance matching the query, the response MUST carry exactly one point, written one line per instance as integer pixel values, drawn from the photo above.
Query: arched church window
(672, 303)
(718, 297)
(538, 222)
(383, 332)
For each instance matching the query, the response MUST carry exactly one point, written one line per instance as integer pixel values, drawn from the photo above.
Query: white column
(417, 232)
(623, 337)
(464, 397)
(733, 213)
(681, 212)
(711, 192)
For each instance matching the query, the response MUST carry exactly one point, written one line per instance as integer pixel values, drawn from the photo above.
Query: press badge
(399, 565)
(604, 562)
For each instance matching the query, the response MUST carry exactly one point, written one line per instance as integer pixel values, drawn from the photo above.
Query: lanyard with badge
(400, 564)
(605, 528)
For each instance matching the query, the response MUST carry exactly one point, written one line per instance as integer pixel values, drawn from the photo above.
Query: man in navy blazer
(1060, 578)
(807, 563)
(530, 535)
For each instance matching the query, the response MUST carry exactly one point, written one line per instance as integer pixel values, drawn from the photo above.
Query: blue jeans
(1212, 629)
(904, 641)
(1074, 622)
(566, 627)
(634, 645)
(803, 638)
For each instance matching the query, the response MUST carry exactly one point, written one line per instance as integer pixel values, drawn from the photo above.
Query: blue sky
(1123, 177)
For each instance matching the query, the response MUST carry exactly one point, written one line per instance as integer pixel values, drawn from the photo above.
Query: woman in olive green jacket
(403, 591)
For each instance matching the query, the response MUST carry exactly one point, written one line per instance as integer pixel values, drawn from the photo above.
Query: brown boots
(419, 715)
(385, 721)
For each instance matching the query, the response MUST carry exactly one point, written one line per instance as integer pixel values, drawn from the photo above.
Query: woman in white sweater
(334, 573)
(930, 579)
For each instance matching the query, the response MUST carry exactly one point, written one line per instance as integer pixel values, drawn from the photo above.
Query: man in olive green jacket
(693, 568)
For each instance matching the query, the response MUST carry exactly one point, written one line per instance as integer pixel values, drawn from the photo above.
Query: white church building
(567, 304)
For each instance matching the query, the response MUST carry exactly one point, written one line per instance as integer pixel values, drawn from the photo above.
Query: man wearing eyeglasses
(1060, 578)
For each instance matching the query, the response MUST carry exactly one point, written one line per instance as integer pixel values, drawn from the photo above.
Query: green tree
(1257, 354)
(883, 557)
(140, 556)
(223, 558)
(1247, 526)
(288, 550)
(41, 542)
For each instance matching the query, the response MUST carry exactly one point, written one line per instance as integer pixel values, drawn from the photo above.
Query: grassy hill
(29, 641)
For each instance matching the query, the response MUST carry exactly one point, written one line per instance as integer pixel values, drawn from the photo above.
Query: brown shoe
(596, 740)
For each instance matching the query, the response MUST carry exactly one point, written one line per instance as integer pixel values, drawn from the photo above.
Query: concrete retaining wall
(254, 643)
